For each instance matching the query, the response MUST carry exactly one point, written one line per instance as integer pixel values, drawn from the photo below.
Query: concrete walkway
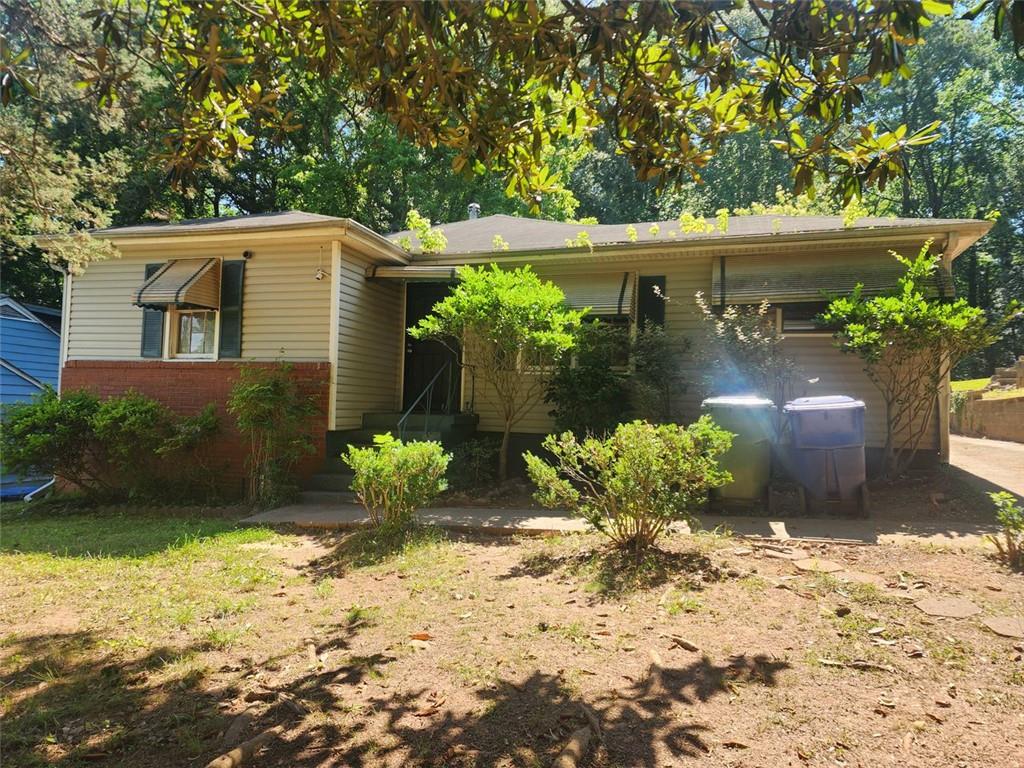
(536, 521)
(989, 465)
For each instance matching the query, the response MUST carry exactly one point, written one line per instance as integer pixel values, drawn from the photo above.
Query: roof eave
(365, 240)
(967, 234)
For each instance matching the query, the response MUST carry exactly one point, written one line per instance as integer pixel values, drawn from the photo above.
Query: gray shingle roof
(522, 234)
(276, 220)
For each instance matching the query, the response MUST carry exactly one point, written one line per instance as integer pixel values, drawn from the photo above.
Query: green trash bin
(752, 420)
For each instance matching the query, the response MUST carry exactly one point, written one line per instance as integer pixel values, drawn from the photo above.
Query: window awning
(182, 283)
(750, 281)
(606, 293)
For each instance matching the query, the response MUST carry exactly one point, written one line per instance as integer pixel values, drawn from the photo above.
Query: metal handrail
(427, 392)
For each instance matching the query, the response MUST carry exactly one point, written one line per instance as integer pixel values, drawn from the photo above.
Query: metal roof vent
(474, 210)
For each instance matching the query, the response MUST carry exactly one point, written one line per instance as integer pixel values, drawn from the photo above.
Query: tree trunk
(889, 454)
(503, 453)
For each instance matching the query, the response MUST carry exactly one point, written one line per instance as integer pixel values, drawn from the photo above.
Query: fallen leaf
(421, 636)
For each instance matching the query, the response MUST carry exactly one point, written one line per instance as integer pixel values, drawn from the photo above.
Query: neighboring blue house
(29, 361)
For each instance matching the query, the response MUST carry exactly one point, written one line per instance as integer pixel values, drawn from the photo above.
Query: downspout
(65, 324)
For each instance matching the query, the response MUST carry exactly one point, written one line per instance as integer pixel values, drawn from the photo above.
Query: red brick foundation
(186, 387)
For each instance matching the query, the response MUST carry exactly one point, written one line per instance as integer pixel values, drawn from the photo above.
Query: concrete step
(328, 497)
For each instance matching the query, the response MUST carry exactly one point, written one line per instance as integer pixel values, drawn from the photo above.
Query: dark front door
(423, 359)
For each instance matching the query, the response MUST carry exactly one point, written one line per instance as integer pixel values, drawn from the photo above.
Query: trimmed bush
(633, 484)
(112, 449)
(393, 479)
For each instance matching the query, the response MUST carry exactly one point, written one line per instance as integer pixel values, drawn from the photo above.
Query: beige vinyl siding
(815, 354)
(840, 374)
(370, 344)
(285, 312)
(103, 324)
(683, 278)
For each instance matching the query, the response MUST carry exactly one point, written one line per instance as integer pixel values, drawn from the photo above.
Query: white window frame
(171, 335)
(797, 332)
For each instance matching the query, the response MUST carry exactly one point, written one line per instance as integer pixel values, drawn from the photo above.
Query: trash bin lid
(739, 401)
(824, 403)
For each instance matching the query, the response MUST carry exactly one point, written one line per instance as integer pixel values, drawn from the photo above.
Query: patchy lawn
(141, 640)
(969, 385)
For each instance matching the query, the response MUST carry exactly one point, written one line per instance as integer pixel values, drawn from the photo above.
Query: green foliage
(192, 436)
(393, 479)
(52, 435)
(1010, 541)
(636, 482)
(131, 429)
(275, 415)
(125, 447)
(474, 464)
(424, 70)
(909, 342)
(589, 389)
(656, 382)
(612, 377)
(511, 323)
(427, 240)
(741, 352)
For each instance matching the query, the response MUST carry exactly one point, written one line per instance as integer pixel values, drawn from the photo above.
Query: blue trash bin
(826, 454)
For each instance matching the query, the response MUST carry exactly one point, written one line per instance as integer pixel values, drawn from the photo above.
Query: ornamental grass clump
(636, 482)
(393, 479)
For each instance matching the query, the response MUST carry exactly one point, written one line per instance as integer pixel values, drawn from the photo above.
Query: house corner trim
(332, 353)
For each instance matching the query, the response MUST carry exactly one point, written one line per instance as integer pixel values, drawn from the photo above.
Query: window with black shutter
(231, 291)
(152, 324)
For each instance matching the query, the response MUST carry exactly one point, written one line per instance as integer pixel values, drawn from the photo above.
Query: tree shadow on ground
(612, 573)
(69, 701)
(527, 722)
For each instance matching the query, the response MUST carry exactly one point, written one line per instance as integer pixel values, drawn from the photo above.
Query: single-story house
(186, 302)
(29, 362)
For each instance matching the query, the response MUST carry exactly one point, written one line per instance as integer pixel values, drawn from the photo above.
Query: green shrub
(586, 390)
(53, 435)
(129, 430)
(190, 446)
(657, 382)
(393, 479)
(611, 377)
(274, 414)
(474, 464)
(113, 449)
(633, 484)
(1010, 540)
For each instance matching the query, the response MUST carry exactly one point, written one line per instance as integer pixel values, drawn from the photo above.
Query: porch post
(943, 394)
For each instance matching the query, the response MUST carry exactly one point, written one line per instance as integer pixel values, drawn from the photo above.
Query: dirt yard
(156, 641)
